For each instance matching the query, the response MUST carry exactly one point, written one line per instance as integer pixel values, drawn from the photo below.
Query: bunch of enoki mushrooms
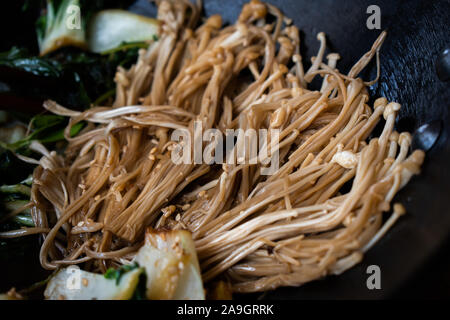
(316, 215)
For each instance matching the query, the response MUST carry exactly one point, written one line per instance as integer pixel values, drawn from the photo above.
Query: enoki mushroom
(316, 215)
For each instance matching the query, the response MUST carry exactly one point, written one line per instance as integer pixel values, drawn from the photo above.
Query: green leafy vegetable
(16, 205)
(60, 26)
(24, 220)
(125, 46)
(141, 288)
(96, 286)
(110, 29)
(116, 274)
(45, 131)
(16, 188)
(28, 181)
(72, 77)
(69, 75)
(64, 22)
(19, 58)
(16, 248)
(108, 94)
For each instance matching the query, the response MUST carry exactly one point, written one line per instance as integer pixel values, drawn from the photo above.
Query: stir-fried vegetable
(69, 75)
(110, 29)
(64, 72)
(14, 197)
(46, 129)
(65, 22)
(74, 284)
(61, 26)
(17, 188)
(166, 267)
(20, 59)
(171, 265)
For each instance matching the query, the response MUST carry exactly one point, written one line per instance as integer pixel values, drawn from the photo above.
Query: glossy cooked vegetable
(110, 29)
(74, 284)
(167, 261)
(61, 26)
(171, 265)
(65, 22)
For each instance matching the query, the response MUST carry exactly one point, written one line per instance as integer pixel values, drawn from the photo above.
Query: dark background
(414, 255)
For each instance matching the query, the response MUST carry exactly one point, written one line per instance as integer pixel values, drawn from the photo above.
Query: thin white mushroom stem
(399, 210)
(318, 59)
(332, 62)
